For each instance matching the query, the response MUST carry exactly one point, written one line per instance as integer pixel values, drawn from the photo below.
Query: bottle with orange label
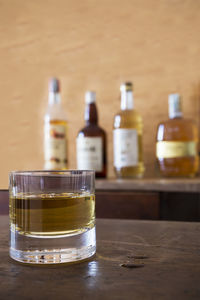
(177, 143)
(55, 130)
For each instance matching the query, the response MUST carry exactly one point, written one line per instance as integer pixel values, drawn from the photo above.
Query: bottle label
(169, 149)
(55, 146)
(125, 147)
(89, 153)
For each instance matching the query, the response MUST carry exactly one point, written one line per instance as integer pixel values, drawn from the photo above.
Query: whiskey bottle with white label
(55, 130)
(127, 137)
(177, 143)
(91, 141)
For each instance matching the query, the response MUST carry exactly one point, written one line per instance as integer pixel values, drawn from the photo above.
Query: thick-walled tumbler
(52, 216)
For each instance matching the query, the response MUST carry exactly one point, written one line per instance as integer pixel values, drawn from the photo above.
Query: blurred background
(93, 45)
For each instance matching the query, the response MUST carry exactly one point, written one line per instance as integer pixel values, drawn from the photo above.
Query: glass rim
(51, 172)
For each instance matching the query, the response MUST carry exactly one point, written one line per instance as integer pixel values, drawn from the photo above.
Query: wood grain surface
(92, 45)
(134, 260)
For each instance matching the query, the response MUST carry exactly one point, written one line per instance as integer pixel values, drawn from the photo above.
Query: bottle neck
(127, 100)
(91, 116)
(54, 98)
(175, 110)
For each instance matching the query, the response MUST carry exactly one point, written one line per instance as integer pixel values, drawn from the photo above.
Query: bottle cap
(54, 85)
(90, 97)
(126, 86)
(175, 110)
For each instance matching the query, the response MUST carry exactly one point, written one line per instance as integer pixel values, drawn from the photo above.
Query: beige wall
(96, 45)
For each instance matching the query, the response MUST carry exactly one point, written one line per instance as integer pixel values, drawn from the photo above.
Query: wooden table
(165, 257)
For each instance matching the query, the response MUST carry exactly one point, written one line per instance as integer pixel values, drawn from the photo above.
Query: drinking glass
(52, 216)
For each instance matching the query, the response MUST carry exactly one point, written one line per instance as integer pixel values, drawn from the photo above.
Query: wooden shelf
(148, 198)
(150, 184)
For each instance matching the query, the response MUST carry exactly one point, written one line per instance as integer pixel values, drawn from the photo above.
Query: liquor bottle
(91, 140)
(127, 135)
(177, 143)
(55, 130)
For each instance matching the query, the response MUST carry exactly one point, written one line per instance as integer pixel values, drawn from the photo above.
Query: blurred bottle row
(176, 145)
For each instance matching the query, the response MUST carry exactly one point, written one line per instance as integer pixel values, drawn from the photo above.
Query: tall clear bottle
(127, 135)
(177, 143)
(55, 130)
(91, 141)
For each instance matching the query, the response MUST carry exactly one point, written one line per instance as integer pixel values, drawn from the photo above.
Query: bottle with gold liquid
(177, 143)
(127, 135)
(55, 130)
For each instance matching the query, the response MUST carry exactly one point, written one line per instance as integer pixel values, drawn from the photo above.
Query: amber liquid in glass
(52, 214)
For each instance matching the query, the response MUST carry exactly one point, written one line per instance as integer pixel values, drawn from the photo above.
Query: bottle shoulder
(128, 119)
(178, 122)
(177, 129)
(55, 122)
(128, 112)
(92, 131)
(55, 112)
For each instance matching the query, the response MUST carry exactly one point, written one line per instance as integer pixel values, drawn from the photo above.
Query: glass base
(54, 250)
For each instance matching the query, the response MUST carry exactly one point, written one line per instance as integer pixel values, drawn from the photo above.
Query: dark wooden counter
(171, 269)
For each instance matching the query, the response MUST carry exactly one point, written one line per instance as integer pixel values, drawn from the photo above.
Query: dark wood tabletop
(134, 260)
